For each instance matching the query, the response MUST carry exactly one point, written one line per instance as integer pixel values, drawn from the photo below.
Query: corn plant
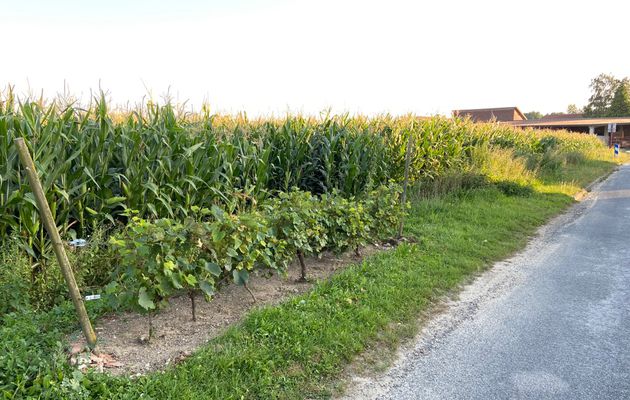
(96, 163)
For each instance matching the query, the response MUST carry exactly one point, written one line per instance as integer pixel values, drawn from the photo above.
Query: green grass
(299, 349)
(573, 177)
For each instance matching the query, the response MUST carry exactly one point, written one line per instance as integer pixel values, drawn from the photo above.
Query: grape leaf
(144, 300)
(207, 288)
(240, 277)
(213, 268)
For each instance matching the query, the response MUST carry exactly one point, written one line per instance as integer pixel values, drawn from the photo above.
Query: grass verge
(299, 348)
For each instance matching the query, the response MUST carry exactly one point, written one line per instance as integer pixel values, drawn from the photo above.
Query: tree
(573, 109)
(620, 105)
(533, 115)
(603, 88)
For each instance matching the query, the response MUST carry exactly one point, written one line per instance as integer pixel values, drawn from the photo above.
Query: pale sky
(274, 56)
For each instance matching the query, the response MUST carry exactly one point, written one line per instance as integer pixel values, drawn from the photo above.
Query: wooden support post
(51, 228)
(406, 181)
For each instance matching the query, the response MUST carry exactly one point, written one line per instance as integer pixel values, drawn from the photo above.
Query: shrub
(161, 258)
(238, 243)
(93, 263)
(575, 157)
(385, 211)
(158, 259)
(347, 222)
(148, 253)
(40, 285)
(296, 219)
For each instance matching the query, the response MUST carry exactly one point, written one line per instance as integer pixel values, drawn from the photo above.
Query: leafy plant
(296, 219)
(15, 276)
(347, 222)
(238, 243)
(383, 206)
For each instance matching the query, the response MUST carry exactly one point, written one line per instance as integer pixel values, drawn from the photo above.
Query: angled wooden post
(51, 228)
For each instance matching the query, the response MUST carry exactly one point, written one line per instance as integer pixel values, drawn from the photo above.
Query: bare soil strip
(122, 337)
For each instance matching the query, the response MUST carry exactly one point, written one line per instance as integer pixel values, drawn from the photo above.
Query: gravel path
(552, 322)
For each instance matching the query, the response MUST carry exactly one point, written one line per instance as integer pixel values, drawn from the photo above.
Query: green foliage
(296, 219)
(238, 242)
(31, 354)
(293, 349)
(603, 88)
(573, 109)
(40, 286)
(95, 164)
(620, 104)
(158, 259)
(149, 254)
(15, 279)
(533, 115)
(93, 263)
(33, 363)
(511, 188)
(347, 222)
(161, 258)
(383, 205)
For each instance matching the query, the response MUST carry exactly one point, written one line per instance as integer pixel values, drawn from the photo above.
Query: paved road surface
(550, 323)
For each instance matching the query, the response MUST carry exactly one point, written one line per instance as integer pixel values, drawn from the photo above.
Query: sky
(269, 57)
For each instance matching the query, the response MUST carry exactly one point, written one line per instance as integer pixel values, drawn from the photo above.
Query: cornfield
(96, 164)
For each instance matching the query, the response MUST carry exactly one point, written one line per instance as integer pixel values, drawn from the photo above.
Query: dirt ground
(122, 345)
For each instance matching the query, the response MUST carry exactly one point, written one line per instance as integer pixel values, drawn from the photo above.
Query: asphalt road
(551, 323)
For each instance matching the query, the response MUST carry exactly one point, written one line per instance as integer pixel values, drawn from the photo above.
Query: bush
(385, 211)
(347, 222)
(449, 183)
(574, 157)
(149, 253)
(160, 258)
(547, 143)
(296, 221)
(550, 161)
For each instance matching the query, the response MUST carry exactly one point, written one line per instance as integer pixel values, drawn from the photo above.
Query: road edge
(464, 301)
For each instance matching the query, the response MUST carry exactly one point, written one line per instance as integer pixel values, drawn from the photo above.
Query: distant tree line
(610, 97)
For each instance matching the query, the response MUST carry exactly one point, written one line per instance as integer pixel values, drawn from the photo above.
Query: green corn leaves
(95, 164)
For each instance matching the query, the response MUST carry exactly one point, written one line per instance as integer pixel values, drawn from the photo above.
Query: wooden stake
(51, 228)
(406, 181)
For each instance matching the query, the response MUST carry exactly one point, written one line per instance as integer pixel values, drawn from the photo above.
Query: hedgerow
(161, 258)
